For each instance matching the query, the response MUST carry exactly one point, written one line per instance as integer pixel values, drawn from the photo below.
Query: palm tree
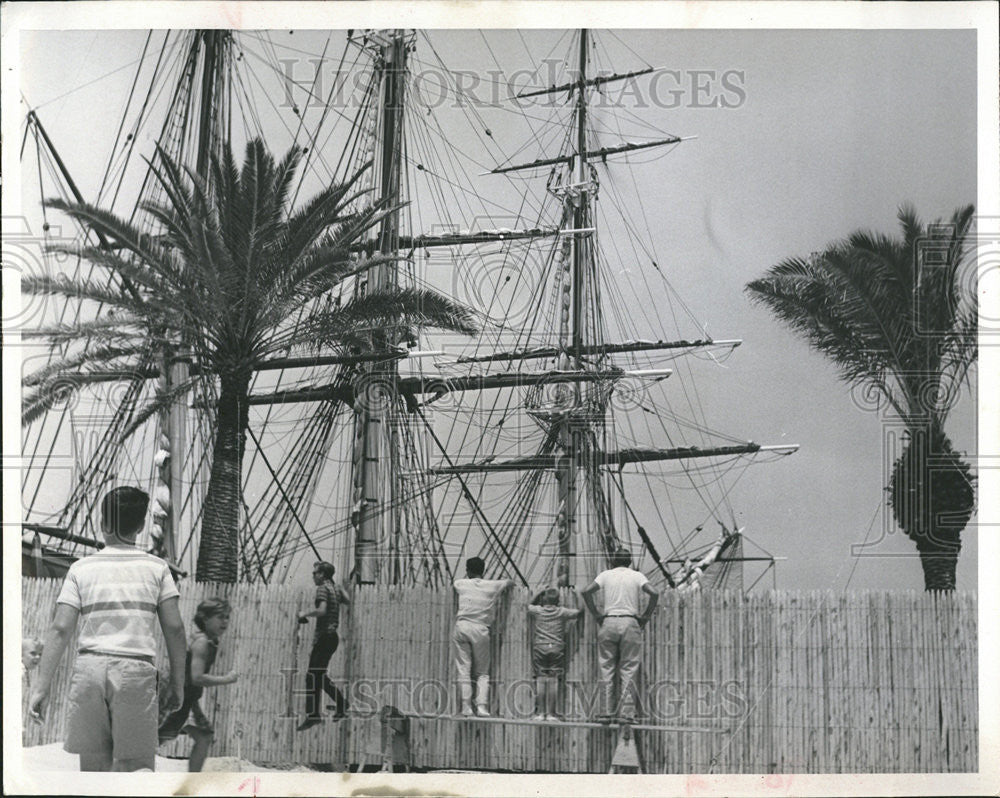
(229, 271)
(896, 318)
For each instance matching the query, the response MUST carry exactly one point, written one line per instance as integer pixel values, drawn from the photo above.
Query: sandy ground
(47, 758)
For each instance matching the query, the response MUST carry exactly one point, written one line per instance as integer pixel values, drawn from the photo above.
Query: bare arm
(315, 613)
(199, 658)
(587, 594)
(344, 597)
(63, 625)
(654, 597)
(173, 633)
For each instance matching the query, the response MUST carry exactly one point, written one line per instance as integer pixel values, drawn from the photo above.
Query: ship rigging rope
(128, 104)
(88, 83)
(468, 431)
(310, 95)
(311, 135)
(470, 105)
(650, 435)
(281, 490)
(336, 528)
(248, 534)
(314, 152)
(103, 443)
(310, 450)
(624, 44)
(327, 104)
(304, 468)
(548, 58)
(251, 116)
(156, 87)
(301, 177)
(696, 401)
(425, 125)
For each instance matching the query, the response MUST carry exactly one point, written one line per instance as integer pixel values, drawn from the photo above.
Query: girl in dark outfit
(211, 619)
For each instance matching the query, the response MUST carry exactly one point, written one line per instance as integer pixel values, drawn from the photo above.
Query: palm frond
(399, 308)
(116, 328)
(90, 358)
(109, 225)
(887, 312)
(79, 289)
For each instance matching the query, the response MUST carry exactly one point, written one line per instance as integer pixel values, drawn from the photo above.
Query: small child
(548, 650)
(31, 655)
(470, 639)
(212, 620)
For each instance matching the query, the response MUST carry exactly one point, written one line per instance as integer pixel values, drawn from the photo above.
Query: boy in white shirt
(470, 639)
(619, 641)
(118, 595)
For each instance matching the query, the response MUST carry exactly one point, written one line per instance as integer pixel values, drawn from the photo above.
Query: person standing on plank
(470, 639)
(548, 650)
(119, 593)
(619, 639)
(329, 597)
(211, 619)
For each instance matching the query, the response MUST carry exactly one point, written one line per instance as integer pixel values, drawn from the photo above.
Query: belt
(141, 657)
(622, 616)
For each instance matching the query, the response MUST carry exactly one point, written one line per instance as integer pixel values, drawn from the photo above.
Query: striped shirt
(477, 599)
(118, 591)
(328, 622)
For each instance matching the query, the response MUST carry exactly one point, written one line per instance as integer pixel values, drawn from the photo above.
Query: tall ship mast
(546, 442)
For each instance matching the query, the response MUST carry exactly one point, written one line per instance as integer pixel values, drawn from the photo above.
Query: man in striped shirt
(117, 595)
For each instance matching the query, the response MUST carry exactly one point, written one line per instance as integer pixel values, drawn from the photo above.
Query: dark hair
(475, 566)
(209, 608)
(550, 596)
(621, 558)
(325, 568)
(124, 510)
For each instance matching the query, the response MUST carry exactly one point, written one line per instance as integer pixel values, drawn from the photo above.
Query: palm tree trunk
(218, 554)
(939, 569)
(933, 499)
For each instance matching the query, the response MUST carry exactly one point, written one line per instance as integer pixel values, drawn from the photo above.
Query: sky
(826, 132)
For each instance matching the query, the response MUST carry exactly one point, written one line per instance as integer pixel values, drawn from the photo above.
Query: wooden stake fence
(799, 682)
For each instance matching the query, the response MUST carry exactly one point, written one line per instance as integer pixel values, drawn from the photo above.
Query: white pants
(470, 644)
(619, 652)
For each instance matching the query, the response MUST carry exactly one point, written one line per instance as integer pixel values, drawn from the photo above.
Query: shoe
(466, 710)
(482, 711)
(309, 722)
(552, 718)
(604, 718)
(539, 716)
